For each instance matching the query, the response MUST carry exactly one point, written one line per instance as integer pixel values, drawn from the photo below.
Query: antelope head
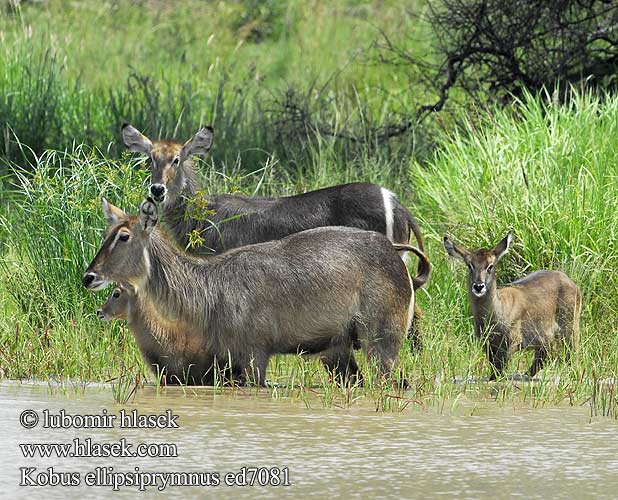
(123, 257)
(168, 159)
(481, 263)
(116, 306)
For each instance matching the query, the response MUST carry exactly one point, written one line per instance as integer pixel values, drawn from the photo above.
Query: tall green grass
(474, 189)
(258, 71)
(49, 234)
(264, 74)
(548, 173)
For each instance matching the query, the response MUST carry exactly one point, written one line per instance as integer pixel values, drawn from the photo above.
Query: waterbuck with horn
(172, 350)
(532, 312)
(325, 290)
(237, 220)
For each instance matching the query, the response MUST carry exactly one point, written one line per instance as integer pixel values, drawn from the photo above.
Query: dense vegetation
(298, 100)
(266, 75)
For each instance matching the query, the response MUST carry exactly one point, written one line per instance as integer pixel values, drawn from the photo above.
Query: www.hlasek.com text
(83, 448)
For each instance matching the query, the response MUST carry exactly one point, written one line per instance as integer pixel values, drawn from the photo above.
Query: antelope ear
(135, 140)
(501, 248)
(112, 213)
(455, 251)
(148, 215)
(199, 144)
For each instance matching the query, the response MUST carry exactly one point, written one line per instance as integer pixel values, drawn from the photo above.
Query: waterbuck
(325, 290)
(172, 350)
(237, 220)
(531, 312)
(226, 221)
(117, 306)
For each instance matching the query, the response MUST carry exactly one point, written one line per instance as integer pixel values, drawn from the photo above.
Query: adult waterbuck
(237, 220)
(532, 312)
(325, 290)
(172, 350)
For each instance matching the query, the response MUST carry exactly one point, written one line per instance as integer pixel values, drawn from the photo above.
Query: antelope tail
(424, 267)
(413, 226)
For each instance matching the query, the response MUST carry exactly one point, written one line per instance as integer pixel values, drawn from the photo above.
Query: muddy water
(351, 453)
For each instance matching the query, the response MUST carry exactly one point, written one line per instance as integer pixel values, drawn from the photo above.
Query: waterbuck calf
(172, 350)
(235, 220)
(531, 312)
(325, 290)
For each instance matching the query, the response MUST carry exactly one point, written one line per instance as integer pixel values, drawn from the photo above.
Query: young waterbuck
(325, 290)
(172, 350)
(531, 312)
(117, 306)
(237, 220)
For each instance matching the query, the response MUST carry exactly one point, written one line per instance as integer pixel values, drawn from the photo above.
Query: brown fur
(530, 313)
(172, 350)
(238, 220)
(324, 290)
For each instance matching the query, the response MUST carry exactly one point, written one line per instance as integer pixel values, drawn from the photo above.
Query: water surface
(347, 453)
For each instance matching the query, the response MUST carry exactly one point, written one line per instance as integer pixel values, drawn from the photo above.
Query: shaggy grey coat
(226, 221)
(173, 351)
(324, 291)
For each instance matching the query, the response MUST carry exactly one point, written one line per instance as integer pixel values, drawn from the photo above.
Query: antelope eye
(175, 161)
(470, 266)
(116, 294)
(123, 237)
(490, 268)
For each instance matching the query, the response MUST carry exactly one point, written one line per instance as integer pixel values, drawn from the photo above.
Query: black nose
(157, 190)
(478, 287)
(88, 279)
(100, 314)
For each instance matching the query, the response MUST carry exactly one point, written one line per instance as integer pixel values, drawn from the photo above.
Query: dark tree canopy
(496, 49)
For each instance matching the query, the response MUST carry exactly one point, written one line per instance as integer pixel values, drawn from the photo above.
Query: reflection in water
(352, 453)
